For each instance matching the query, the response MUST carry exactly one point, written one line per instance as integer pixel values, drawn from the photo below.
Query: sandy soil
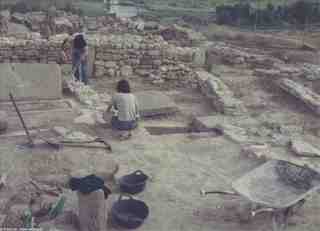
(179, 165)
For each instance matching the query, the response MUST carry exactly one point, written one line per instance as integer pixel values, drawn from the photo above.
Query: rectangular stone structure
(305, 95)
(155, 103)
(30, 81)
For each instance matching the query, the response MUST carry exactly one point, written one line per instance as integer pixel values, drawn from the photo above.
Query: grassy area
(205, 4)
(92, 8)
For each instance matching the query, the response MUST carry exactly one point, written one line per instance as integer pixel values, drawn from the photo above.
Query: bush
(21, 7)
(301, 11)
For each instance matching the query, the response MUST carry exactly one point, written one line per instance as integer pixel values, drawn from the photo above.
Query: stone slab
(222, 98)
(305, 95)
(29, 81)
(302, 148)
(154, 103)
(210, 122)
(266, 152)
(235, 128)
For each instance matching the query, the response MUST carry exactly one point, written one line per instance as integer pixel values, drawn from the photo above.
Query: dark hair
(123, 86)
(79, 42)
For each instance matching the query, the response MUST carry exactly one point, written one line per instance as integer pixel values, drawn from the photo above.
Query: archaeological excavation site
(159, 116)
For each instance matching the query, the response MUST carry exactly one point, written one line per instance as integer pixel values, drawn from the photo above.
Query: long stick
(203, 192)
(21, 119)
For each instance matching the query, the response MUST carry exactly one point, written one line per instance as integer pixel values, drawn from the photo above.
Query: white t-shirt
(126, 106)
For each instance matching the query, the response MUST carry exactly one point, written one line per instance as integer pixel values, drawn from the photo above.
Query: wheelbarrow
(277, 187)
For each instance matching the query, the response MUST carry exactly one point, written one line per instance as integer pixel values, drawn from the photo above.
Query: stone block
(222, 98)
(199, 57)
(126, 71)
(154, 103)
(30, 81)
(305, 149)
(259, 151)
(305, 95)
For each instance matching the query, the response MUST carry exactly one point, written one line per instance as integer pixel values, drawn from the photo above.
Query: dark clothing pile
(89, 184)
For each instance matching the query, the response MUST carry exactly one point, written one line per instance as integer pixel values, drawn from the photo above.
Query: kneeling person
(126, 109)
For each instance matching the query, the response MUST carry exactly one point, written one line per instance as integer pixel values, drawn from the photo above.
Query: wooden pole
(22, 121)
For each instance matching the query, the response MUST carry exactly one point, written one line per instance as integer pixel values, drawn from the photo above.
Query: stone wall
(148, 56)
(221, 53)
(29, 50)
(114, 56)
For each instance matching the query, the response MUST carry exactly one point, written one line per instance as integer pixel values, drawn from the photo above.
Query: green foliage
(90, 8)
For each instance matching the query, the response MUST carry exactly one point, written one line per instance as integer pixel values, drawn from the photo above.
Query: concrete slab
(30, 81)
(154, 103)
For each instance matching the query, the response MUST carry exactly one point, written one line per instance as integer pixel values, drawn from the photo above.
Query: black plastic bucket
(133, 183)
(129, 213)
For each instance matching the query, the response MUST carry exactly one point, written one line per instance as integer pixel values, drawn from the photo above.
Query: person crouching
(126, 110)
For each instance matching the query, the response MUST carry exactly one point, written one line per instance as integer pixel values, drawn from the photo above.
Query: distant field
(38, 4)
(164, 8)
(206, 3)
(91, 8)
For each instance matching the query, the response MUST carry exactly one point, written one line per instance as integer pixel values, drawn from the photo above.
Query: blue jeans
(123, 125)
(80, 65)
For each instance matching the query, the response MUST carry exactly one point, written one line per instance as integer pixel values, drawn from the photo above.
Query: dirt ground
(179, 165)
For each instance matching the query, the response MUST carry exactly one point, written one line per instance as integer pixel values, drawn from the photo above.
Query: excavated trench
(157, 131)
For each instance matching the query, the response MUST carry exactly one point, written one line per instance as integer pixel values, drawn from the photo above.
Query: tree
(301, 11)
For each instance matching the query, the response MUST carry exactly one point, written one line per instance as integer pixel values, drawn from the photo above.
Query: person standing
(80, 57)
(51, 18)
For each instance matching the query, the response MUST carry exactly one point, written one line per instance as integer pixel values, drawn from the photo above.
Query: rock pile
(302, 148)
(308, 71)
(221, 96)
(311, 72)
(64, 22)
(106, 25)
(181, 36)
(307, 96)
(226, 54)
(85, 94)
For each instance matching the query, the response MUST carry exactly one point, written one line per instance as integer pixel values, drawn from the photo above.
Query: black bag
(88, 184)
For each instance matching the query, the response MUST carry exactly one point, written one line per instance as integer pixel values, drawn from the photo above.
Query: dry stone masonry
(230, 55)
(113, 56)
(30, 50)
(222, 98)
(148, 56)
